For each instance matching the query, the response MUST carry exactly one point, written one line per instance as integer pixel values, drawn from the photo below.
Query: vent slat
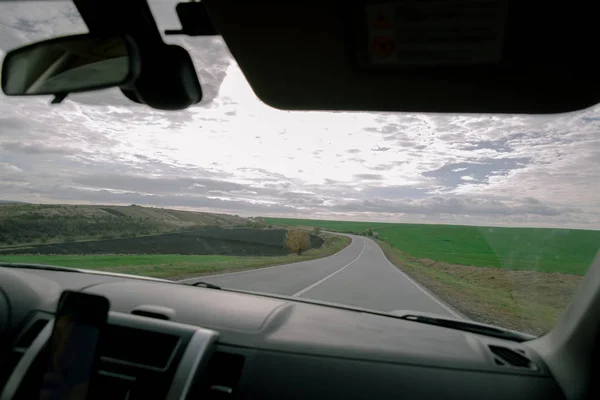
(222, 376)
(137, 347)
(512, 357)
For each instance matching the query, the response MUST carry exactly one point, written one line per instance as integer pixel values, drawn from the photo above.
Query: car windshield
(492, 218)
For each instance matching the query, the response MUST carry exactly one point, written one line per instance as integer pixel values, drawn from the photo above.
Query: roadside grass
(175, 266)
(568, 251)
(526, 301)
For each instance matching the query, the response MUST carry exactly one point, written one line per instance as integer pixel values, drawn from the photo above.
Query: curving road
(359, 275)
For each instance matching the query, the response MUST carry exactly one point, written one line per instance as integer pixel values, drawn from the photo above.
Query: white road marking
(301, 292)
(306, 289)
(430, 295)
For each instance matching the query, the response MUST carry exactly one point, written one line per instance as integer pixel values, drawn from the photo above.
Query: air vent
(154, 311)
(509, 357)
(138, 348)
(150, 314)
(24, 340)
(134, 363)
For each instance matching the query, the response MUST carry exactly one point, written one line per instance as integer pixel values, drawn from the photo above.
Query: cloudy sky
(231, 153)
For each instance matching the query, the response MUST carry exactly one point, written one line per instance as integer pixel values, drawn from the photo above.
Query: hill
(41, 223)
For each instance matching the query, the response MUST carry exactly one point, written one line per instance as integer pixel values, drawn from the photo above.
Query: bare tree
(297, 240)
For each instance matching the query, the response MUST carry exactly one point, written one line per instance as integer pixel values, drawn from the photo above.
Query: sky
(232, 153)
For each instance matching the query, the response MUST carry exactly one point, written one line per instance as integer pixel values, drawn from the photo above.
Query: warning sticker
(381, 22)
(435, 32)
(383, 46)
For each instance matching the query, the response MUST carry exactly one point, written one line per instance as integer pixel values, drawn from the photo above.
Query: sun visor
(467, 56)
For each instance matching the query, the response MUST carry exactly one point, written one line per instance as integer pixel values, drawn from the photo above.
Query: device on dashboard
(79, 321)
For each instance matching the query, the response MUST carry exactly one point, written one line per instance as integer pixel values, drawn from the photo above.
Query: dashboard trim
(284, 343)
(117, 376)
(197, 351)
(18, 374)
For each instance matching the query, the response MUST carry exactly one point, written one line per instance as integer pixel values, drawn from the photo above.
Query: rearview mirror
(70, 64)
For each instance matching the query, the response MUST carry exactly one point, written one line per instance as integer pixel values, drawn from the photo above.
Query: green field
(175, 266)
(567, 251)
(340, 226)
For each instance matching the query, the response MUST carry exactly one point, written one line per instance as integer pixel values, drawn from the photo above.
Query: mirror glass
(68, 64)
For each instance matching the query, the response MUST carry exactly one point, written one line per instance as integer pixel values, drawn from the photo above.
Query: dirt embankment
(527, 301)
(208, 241)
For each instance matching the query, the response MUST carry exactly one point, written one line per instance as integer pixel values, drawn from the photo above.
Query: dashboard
(167, 340)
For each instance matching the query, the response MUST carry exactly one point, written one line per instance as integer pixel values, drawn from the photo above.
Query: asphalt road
(359, 275)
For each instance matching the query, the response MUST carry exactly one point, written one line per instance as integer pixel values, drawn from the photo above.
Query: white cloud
(232, 153)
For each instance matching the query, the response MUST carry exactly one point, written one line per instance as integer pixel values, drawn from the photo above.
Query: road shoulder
(526, 301)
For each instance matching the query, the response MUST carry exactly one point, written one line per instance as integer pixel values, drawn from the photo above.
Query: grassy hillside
(568, 251)
(40, 223)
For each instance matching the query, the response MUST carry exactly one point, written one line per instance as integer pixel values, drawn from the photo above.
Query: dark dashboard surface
(292, 349)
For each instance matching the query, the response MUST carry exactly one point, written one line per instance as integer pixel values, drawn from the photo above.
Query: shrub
(297, 240)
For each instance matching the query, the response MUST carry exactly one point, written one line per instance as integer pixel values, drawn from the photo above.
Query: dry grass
(527, 301)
